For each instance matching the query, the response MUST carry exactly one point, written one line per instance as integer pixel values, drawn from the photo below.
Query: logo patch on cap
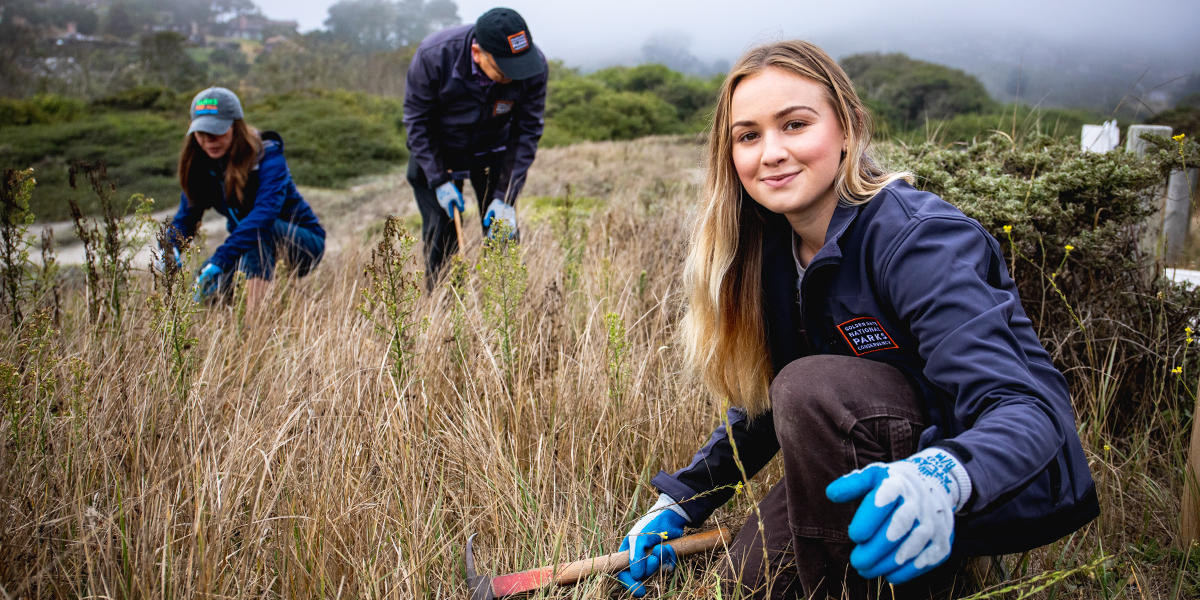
(866, 335)
(206, 106)
(518, 42)
(502, 107)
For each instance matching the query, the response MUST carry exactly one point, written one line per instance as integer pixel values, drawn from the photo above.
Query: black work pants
(437, 228)
(832, 414)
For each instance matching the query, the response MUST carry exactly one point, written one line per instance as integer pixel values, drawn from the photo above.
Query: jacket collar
(843, 216)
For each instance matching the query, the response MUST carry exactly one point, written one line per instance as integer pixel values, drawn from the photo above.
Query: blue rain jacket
(453, 112)
(269, 194)
(909, 280)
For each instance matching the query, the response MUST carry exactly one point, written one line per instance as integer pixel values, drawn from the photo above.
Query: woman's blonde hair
(724, 335)
(243, 155)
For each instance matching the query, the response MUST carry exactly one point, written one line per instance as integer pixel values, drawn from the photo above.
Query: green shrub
(46, 108)
(620, 103)
(146, 97)
(1069, 223)
(330, 138)
(909, 91)
(1017, 121)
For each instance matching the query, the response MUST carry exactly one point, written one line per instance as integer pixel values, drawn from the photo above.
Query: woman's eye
(795, 125)
(749, 136)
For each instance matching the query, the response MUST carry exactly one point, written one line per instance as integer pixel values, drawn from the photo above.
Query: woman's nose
(774, 151)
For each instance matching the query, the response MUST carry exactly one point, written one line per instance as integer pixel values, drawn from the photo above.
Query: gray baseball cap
(214, 110)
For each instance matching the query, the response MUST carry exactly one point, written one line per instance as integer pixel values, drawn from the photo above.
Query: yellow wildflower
(1187, 330)
(662, 534)
(1107, 447)
(737, 489)
(1190, 340)
(1177, 370)
(1179, 138)
(1069, 247)
(1008, 229)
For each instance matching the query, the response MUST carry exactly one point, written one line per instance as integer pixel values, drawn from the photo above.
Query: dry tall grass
(297, 465)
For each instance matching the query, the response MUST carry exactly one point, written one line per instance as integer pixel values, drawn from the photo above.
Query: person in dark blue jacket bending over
(228, 166)
(870, 334)
(473, 106)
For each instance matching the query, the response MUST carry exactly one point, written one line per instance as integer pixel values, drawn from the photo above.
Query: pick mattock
(484, 587)
(458, 230)
(458, 176)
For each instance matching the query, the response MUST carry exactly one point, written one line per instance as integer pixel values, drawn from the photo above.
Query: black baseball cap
(503, 34)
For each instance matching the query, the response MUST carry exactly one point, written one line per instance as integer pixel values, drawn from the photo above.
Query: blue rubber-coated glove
(160, 262)
(904, 526)
(450, 198)
(207, 282)
(646, 545)
(499, 210)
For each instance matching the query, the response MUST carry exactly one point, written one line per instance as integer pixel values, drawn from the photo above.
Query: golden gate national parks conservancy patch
(518, 42)
(865, 335)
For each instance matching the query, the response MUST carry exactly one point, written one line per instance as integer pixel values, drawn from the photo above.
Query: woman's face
(787, 143)
(215, 146)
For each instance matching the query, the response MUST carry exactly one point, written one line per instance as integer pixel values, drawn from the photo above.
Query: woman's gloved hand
(646, 544)
(904, 526)
(207, 282)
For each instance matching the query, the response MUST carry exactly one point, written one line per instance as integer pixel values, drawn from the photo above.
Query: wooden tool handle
(618, 561)
(458, 230)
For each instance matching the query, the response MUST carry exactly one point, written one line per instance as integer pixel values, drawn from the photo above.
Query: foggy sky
(588, 32)
(1158, 37)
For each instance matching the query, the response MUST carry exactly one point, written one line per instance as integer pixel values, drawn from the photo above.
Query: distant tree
(430, 16)
(227, 64)
(378, 25)
(125, 19)
(85, 19)
(912, 91)
(368, 24)
(166, 62)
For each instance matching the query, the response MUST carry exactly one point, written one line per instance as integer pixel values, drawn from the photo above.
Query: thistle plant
(570, 241)
(618, 353)
(173, 309)
(115, 244)
(504, 280)
(389, 300)
(15, 220)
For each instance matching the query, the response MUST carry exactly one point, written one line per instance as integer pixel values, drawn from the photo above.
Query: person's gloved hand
(499, 210)
(450, 198)
(905, 524)
(160, 263)
(645, 543)
(207, 282)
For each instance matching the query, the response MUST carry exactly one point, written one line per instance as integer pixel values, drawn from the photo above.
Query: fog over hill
(1070, 52)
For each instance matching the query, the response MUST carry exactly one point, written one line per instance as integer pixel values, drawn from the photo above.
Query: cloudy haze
(1147, 44)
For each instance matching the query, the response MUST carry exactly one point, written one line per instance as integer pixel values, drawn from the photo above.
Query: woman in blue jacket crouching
(869, 334)
(241, 173)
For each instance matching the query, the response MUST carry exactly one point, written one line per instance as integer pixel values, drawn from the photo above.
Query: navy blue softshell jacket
(909, 280)
(269, 194)
(451, 114)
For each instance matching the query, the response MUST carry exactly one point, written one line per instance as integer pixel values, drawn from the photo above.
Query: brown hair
(243, 154)
(724, 337)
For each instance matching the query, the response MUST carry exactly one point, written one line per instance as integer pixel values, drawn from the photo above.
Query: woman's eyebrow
(777, 115)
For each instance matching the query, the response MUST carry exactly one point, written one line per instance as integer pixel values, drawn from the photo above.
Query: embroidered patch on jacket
(518, 41)
(502, 107)
(865, 335)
